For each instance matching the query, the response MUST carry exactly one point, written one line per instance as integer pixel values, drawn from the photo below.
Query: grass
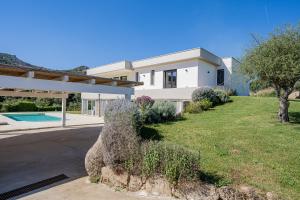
(243, 143)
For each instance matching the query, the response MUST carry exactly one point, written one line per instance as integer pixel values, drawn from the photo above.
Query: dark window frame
(220, 80)
(152, 76)
(123, 78)
(173, 83)
(137, 76)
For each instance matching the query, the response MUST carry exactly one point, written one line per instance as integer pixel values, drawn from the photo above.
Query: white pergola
(20, 81)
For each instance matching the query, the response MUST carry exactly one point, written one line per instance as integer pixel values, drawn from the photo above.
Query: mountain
(78, 70)
(9, 59)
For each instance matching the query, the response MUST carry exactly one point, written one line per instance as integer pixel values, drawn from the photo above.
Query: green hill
(9, 59)
(243, 143)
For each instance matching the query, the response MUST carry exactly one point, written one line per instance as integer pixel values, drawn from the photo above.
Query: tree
(276, 60)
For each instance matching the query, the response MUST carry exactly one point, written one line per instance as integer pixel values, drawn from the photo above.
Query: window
(116, 78)
(123, 78)
(220, 77)
(170, 78)
(137, 77)
(152, 77)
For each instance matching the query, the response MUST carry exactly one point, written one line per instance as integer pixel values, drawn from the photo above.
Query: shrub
(120, 141)
(231, 92)
(269, 92)
(222, 95)
(297, 86)
(205, 104)
(193, 107)
(205, 93)
(123, 112)
(74, 106)
(94, 160)
(19, 106)
(145, 103)
(163, 111)
(49, 108)
(172, 161)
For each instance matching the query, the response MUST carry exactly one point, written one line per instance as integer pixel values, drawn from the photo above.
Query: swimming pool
(32, 117)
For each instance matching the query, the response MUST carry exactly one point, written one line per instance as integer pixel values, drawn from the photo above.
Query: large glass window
(123, 78)
(220, 77)
(170, 78)
(152, 77)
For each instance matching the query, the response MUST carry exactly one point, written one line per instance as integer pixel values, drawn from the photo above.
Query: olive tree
(276, 60)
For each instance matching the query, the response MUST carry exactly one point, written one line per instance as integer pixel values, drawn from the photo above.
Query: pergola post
(128, 97)
(63, 110)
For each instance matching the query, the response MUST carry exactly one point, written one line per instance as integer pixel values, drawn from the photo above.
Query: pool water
(32, 117)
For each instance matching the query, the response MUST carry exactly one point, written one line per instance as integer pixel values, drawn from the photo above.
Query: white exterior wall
(234, 79)
(206, 74)
(195, 68)
(186, 75)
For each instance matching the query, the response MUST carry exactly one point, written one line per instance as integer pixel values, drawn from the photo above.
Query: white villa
(171, 76)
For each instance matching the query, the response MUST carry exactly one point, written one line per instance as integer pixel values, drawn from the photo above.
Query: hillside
(243, 143)
(9, 59)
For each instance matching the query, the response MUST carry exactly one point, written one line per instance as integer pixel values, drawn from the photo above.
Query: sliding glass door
(170, 79)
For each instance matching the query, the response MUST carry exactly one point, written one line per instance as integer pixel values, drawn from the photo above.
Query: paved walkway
(72, 120)
(33, 156)
(79, 189)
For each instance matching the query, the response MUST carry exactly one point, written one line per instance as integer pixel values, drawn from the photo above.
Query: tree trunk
(283, 114)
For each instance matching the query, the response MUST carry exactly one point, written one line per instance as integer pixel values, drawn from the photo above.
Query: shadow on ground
(213, 179)
(29, 158)
(148, 133)
(294, 117)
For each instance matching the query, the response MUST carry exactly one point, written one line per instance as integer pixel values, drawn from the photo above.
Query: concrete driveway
(33, 156)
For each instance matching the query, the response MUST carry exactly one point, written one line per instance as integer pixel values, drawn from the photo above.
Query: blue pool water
(32, 117)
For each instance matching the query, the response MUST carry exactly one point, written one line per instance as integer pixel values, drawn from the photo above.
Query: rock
(271, 196)
(195, 191)
(158, 186)
(115, 178)
(94, 159)
(135, 183)
(229, 193)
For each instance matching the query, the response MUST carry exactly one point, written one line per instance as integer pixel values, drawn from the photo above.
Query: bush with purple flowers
(144, 102)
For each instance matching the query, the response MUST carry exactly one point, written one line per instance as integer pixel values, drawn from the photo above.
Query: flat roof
(196, 53)
(48, 74)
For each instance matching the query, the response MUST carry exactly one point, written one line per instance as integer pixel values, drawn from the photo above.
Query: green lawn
(243, 143)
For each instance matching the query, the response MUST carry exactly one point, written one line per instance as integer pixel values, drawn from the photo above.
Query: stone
(195, 191)
(135, 183)
(271, 196)
(114, 178)
(229, 193)
(158, 186)
(94, 159)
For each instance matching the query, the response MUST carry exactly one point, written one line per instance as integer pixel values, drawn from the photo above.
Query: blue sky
(62, 34)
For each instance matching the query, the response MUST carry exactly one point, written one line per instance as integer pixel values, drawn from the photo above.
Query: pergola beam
(64, 78)
(60, 86)
(29, 74)
(32, 94)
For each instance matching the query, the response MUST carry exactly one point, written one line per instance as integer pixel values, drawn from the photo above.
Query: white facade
(194, 68)
(190, 70)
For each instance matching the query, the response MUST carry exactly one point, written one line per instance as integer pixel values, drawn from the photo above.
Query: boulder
(195, 191)
(114, 178)
(94, 159)
(158, 186)
(135, 183)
